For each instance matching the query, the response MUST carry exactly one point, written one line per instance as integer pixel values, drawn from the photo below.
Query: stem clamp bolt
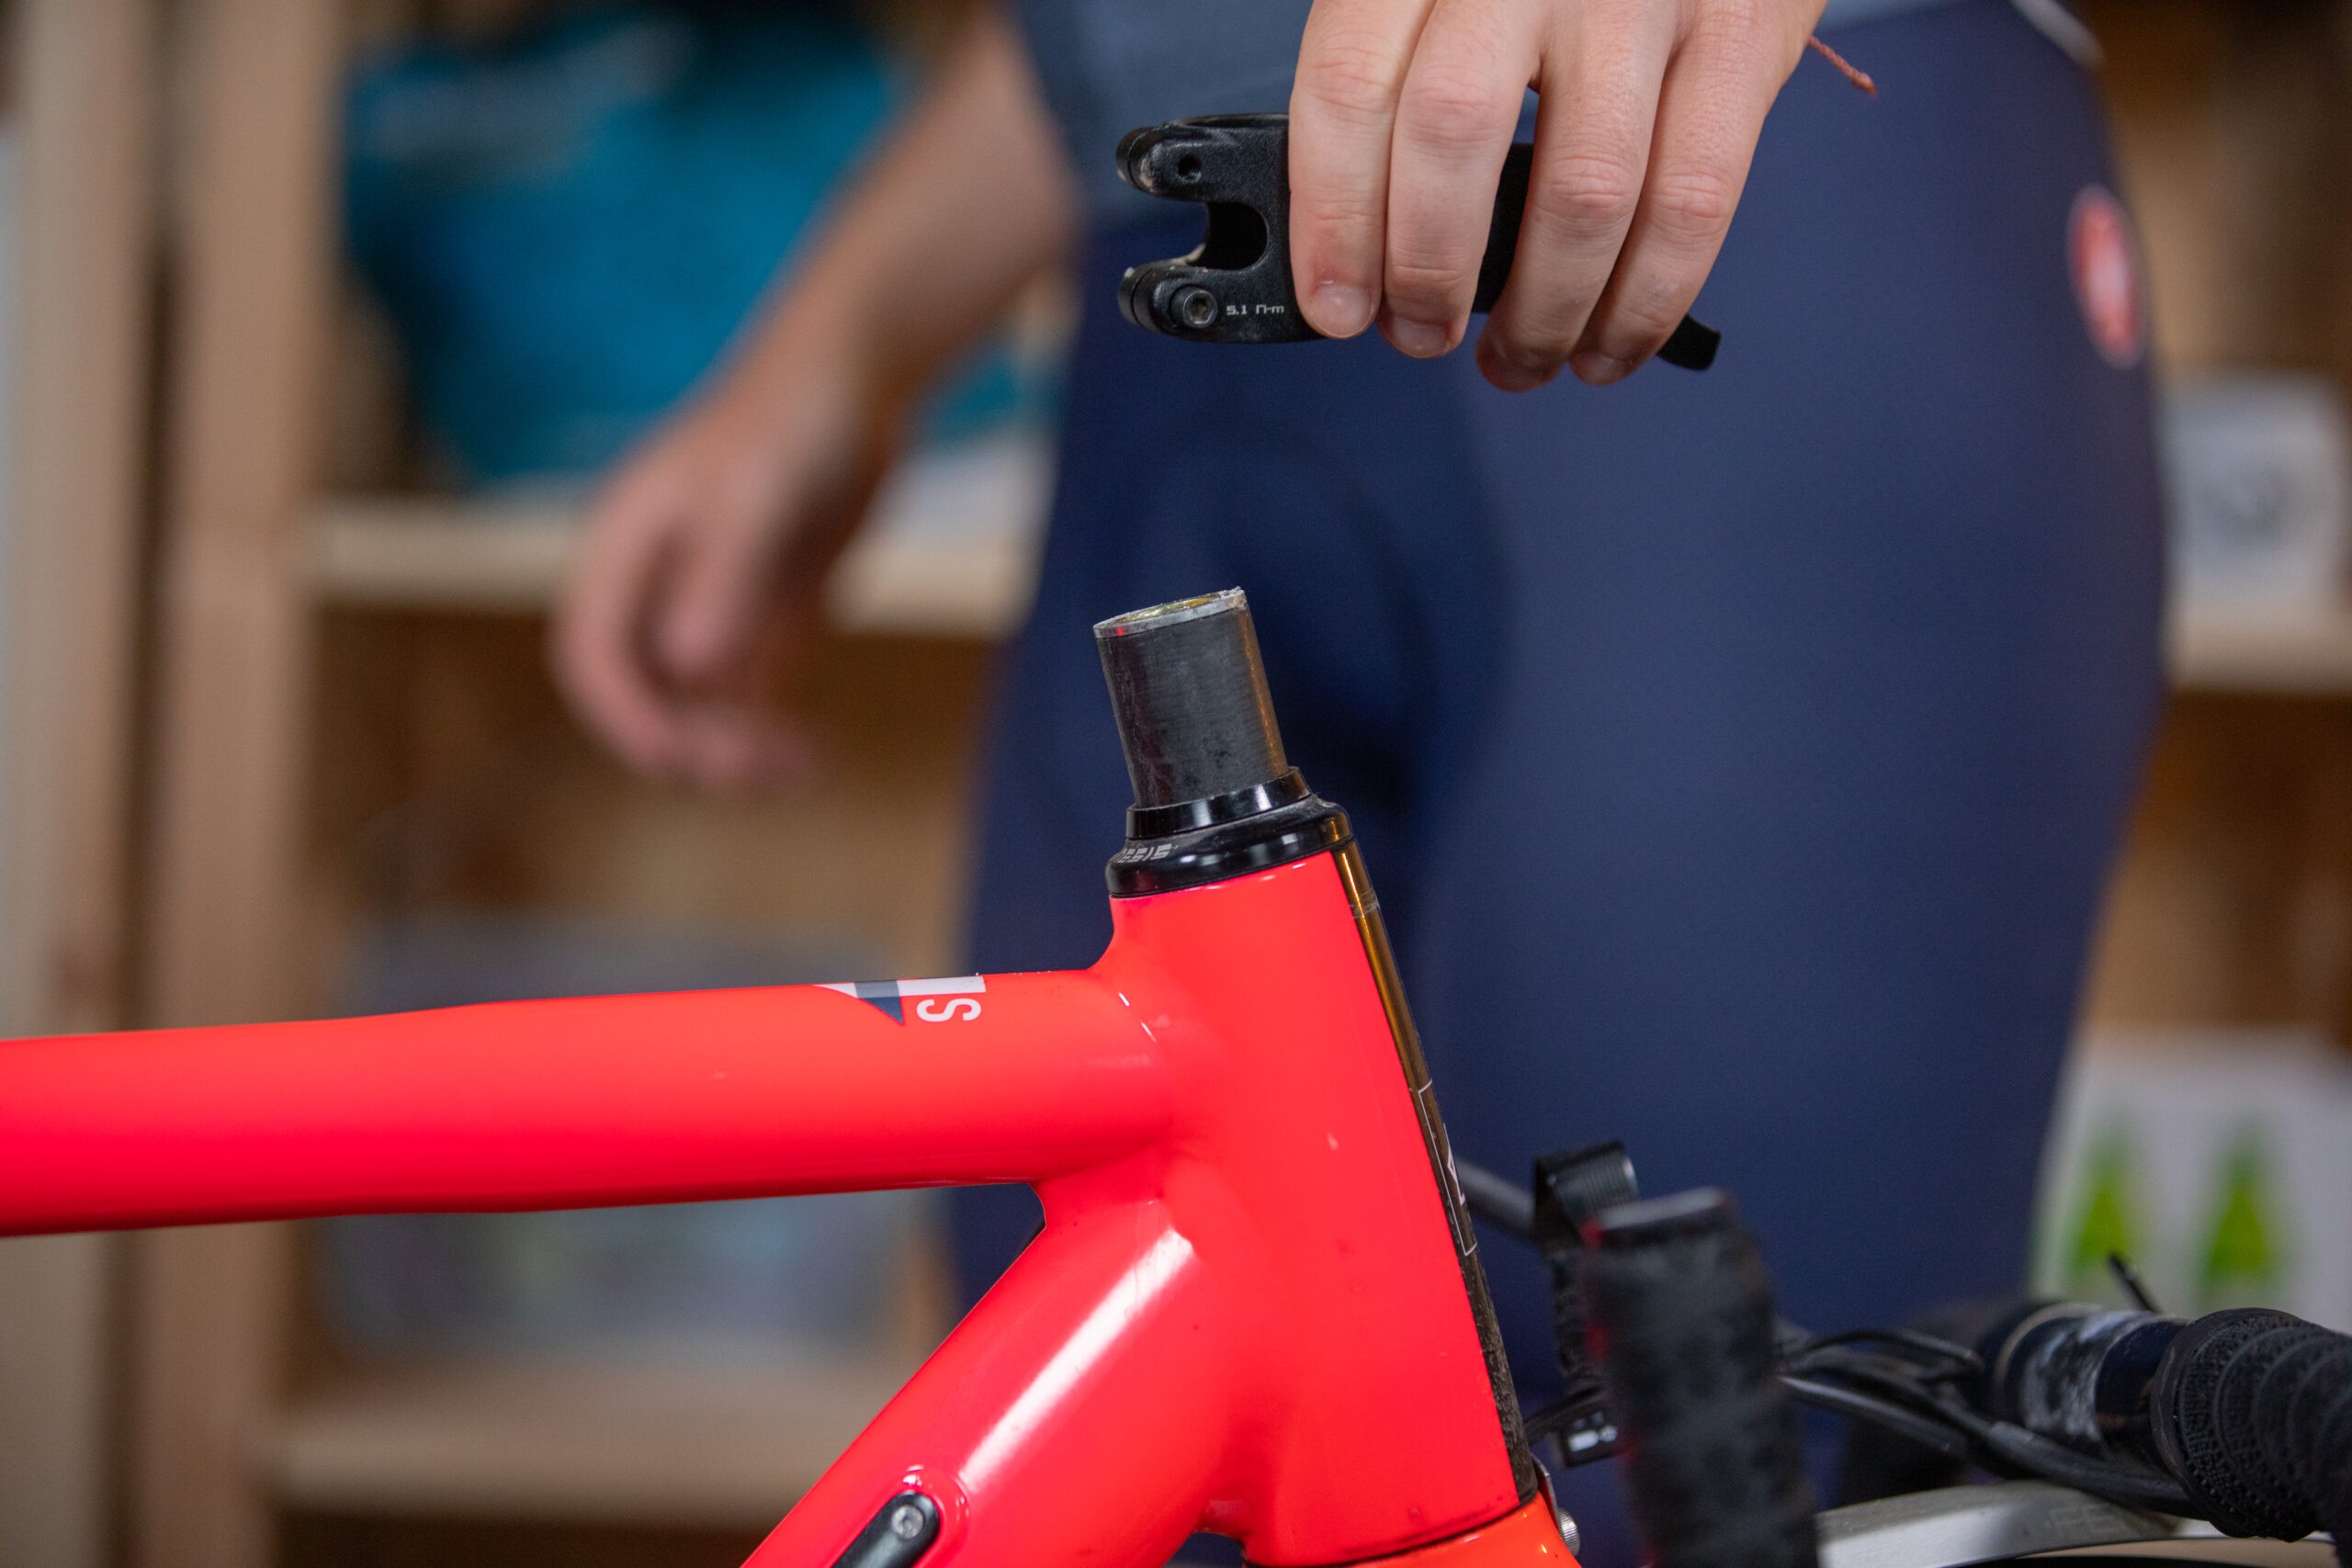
(1195, 306)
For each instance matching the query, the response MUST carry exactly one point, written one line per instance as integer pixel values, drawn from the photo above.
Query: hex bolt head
(1195, 306)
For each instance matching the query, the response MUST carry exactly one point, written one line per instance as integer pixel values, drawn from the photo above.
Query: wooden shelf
(397, 552)
(2288, 652)
(721, 1443)
(950, 549)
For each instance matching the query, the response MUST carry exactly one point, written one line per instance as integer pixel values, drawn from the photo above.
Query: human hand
(1649, 111)
(704, 564)
(707, 554)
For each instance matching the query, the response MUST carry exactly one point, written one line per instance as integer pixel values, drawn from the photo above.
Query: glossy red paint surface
(1245, 1312)
(1528, 1537)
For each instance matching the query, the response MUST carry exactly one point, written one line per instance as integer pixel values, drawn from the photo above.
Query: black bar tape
(1682, 1326)
(2252, 1411)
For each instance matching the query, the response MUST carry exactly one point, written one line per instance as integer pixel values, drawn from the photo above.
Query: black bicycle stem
(1235, 286)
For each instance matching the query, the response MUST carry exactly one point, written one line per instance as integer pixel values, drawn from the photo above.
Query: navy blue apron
(1739, 756)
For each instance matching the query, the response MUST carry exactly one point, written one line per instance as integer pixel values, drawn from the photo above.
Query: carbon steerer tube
(1215, 795)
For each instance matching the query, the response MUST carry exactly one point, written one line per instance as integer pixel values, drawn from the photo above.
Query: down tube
(572, 1103)
(1081, 1415)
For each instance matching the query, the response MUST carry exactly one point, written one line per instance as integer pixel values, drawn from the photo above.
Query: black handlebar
(2249, 1411)
(1673, 1358)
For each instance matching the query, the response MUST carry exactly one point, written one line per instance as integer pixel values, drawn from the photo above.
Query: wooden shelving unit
(2230, 139)
(82, 100)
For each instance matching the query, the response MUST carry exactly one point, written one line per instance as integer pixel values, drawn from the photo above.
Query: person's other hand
(704, 562)
(707, 551)
(1649, 115)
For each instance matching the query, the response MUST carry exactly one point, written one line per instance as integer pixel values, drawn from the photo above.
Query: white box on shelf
(2258, 479)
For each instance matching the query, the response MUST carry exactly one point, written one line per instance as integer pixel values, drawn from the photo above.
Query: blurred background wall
(322, 315)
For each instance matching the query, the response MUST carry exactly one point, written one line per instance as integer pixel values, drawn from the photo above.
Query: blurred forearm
(708, 548)
(967, 201)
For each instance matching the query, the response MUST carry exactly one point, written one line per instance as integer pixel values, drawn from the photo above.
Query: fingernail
(1341, 310)
(1422, 340)
(1597, 369)
(1506, 374)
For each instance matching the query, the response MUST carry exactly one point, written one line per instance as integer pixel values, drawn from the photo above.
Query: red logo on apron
(2106, 265)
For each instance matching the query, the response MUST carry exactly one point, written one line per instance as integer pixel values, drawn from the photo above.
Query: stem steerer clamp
(1235, 286)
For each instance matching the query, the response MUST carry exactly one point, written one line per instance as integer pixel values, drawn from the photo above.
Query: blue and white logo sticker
(892, 996)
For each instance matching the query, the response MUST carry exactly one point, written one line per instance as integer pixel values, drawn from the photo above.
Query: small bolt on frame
(1256, 1306)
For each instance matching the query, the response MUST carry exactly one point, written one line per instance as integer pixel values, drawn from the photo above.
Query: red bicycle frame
(1255, 1308)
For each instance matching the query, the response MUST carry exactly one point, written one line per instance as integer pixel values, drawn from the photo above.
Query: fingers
(733, 738)
(714, 593)
(1456, 116)
(1604, 66)
(1351, 64)
(662, 643)
(1643, 145)
(742, 747)
(1400, 120)
(596, 644)
(1711, 110)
